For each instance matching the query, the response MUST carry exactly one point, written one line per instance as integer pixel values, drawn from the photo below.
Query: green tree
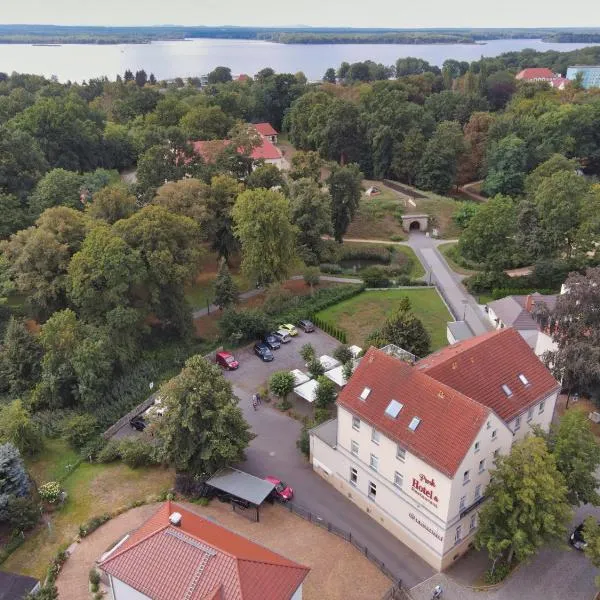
(281, 384)
(489, 236)
(414, 66)
(325, 393)
(266, 176)
(17, 428)
(500, 87)
(311, 213)
(186, 197)
(404, 330)
(345, 191)
(14, 481)
(206, 123)
(408, 155)
(527, 503)
(507, 165)
(220, 75)
(577, 457)
(308, 353)
(111, 204)
(13, 215)
(343, 354)
(329, 76)
(306, 165)
(202, 429)
(555, 164)
(157, 166)
(80, 430)
(312, 277)
(226, 292)
(262, 224)
(57, 188)
(342, 137)
(315, 368)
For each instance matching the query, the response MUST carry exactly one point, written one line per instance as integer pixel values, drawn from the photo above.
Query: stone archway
(414, 223)
(414, 226)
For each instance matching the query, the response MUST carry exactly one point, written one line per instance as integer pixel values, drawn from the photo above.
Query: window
(507, 390)
(353, 475)
(477, 491)
(398, 479)
(542, 405)
(476, 446)
(494, 434)
(461, 506)
(529, 414)
(496, 452)
(458, 534)
(523, 379)
(518, 423)
(466, 477)
(400, 453)
(354, 447)
(374, 462)
(482, 465)
(375, 436)
(488, 425)
(473, 522)
(365, 393)
(372, 490)
(414, 423)
(393, 409)
(355, 423)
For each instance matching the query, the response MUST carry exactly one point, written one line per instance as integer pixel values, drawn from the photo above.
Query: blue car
(263, 352)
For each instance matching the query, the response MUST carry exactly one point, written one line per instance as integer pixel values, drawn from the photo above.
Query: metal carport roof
(242, 485)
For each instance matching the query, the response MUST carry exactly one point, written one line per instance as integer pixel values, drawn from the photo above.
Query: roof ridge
(135, 544)
(296, 566)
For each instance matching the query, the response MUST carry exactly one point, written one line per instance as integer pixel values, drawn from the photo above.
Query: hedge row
(378, 253)
(336, 332)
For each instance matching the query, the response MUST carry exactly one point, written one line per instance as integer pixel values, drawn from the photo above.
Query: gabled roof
(210, 149)
(480, 366)
(449, 420)
(199, 560)
(536, 73)
(515, 311)
(265, 128)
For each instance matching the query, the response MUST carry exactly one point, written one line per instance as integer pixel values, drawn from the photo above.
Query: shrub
(79, 430)
(277, 299)
(396, 237)
(18, 428)
(500, 572)
(375, 277)
(311, 276)
(94, 577)
(244, 325)
(325, 393)
(90, 526)
(285, 404)
(136, 452)
(303, 442)
(110, 453)
(281, 383)
(91, 450)
(50, 492)
(343, 354)
(322, 415)
(331, 268)
(487, 281)
(365, 252)
(315, 368)
(52, 422)
(307, 352)
(22, 513)
(348, 369)
(464, 212)
(94, 587)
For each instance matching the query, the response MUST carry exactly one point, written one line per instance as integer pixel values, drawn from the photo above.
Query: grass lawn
(358, 316)
(92, 490)
(445, 250)
(54, 463)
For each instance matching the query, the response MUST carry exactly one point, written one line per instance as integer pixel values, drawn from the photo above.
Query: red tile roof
(209, 150)
(536, 73)
(265, 128)
(480, 366)
(200, 560)
(449, 420)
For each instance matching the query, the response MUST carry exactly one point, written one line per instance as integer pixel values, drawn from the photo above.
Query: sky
(339, 13)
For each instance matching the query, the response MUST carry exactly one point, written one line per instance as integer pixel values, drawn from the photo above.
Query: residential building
(457, 331)
(16, 587)
(536, 74)
(516, 312)
(590, 75)
(266, 131)
(178, 554)
(413, 444)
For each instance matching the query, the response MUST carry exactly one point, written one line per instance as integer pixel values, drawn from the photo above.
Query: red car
(282, 491)
(226, 360)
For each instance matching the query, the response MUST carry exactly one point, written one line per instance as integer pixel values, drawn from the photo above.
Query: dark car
(263, 352)
(306, 326)
(576, 539)
(272, 341)
(138, 423)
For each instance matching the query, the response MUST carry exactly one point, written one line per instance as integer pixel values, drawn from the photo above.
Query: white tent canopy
(329, 362)
(337, 376)
(307, 390)
(356, 350)
(299, 377)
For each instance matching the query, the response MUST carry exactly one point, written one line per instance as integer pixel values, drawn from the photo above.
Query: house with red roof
(177, 554)
(536, 74)
(266, 131)
(413, 443)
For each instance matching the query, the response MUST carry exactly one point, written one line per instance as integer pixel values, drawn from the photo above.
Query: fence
(362, 548)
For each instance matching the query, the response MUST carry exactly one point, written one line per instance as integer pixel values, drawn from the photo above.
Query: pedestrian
(437, 592)
(254, 402)
(258, 398)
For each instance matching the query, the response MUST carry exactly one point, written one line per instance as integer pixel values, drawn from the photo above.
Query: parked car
(138, 423)
(227, 361)
(281, 335)
(306, 326)
(263, 352)
(282, 491)
(577, 539)
(289, 328)
(272, 341)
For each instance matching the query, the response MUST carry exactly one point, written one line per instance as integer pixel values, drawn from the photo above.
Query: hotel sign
(425, 488)
(427, 528)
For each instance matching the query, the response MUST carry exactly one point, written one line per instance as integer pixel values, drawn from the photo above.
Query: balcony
(473, 506)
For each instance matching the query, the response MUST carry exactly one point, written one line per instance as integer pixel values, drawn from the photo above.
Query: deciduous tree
(57, 188)
(325, 393)
(186, 197)
(507, 165)
(112, 204)
(226, 292)
(345, 191)
(17, 428)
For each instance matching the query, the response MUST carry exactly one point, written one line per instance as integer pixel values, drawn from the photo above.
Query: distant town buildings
(590, 75)
(413, 444)
(543, 74)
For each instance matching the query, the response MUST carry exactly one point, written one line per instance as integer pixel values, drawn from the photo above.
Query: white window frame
(477, 491)
(530, 414)
(462, 503)
(400, 453)
(354, 447)
(374, 463)
(517, 423)
(356, 423)
(398, 479)
(372, 490)
(466, 476)
(482, 465)
(494, 434)
(353, 472)
(375, 436)
(477, 447)
(541, 407)
(458, 534)
(473, 523)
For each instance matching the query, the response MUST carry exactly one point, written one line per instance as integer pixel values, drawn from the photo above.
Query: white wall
(297, 594)
(529, 418)
(122, 591)
(543, 344)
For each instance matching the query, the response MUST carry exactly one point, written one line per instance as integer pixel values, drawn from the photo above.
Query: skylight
(393, 409)
(365, 393)
(507, 390)
(523, 379)
(414, 423)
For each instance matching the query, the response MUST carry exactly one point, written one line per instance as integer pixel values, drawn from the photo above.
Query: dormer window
(365, 393)
(414, 423)
(507, 390)
(523, 379)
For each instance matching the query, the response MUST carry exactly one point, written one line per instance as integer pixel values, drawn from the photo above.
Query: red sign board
(425, 487)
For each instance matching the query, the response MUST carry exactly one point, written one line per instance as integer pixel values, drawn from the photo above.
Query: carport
(244, 489)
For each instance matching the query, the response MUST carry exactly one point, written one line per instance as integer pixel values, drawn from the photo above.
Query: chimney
(529, 303)
(175, 519)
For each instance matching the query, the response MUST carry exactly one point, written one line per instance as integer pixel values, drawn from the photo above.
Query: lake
(197, 57)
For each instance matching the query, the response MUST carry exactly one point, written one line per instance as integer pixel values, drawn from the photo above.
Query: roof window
(507, 390)
(393, 409)
(365, 393)
(523, 379)
(414, 423)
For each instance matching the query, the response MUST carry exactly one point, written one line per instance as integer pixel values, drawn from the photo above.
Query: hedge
(336, 332)
(364, 252)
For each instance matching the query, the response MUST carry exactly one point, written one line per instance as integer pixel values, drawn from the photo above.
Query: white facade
(435, 515)
(122, 591)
